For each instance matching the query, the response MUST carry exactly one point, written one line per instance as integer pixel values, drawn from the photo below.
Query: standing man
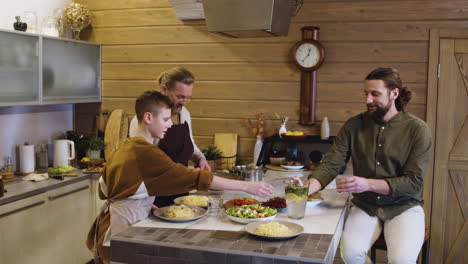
(178, 144)
(390, 150)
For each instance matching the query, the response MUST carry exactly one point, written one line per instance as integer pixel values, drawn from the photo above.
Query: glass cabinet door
(19, 69)
(70, 71)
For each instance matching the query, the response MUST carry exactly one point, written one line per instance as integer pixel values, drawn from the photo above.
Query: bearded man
(390, 150)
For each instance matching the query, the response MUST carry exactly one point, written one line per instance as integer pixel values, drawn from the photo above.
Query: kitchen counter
(20, 189)
(216, 239)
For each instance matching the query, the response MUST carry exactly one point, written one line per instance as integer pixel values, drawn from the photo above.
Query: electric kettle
(64, 151)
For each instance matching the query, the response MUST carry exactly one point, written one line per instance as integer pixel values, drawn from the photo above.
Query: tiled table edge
(137, 241)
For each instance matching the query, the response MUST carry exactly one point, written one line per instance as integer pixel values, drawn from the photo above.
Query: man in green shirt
(390, 150)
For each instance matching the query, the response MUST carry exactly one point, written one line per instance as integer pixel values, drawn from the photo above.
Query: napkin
(36, 177)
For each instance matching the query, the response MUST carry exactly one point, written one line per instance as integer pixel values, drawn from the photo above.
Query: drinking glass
(296, 199)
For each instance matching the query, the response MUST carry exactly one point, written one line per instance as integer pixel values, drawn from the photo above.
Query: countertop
(217, 239)
(20, 189)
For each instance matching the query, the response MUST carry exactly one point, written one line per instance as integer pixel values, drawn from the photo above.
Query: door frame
(436, 246)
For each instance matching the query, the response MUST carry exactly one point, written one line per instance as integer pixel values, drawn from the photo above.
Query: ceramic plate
(292, 167)
(199, 213)
(295, 228)
(292, 136)
(249, 220)
(180, 200)
(313, 203)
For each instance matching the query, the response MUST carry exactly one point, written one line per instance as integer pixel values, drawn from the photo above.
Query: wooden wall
(239, 78)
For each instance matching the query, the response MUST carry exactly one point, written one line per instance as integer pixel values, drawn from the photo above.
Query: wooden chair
(380, 244)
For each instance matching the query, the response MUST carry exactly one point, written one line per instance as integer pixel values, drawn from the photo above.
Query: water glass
(296, 199)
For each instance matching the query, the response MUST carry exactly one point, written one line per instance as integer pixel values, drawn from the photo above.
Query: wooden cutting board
(227, 143)
(116, 131)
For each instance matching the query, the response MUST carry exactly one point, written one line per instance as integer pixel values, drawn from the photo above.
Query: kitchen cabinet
(48, 228)
(19, 69)
(24, 226)
(37, 69)
(69, 210)
(98, 203)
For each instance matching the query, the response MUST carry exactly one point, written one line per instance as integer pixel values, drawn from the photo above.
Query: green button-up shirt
(397, 151)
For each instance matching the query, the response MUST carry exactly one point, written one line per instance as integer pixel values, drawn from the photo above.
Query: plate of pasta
(274, 230)
(180, 213)
(193, 200)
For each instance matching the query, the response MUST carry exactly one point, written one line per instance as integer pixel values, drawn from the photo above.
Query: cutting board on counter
(116, 131)
(227, 143)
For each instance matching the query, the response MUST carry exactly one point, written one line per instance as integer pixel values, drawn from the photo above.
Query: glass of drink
(340, 177)
(296, 199)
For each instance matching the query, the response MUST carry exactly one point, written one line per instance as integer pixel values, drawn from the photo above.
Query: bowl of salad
(245, 214)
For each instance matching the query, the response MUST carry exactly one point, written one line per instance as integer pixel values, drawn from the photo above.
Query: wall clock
(308, 56)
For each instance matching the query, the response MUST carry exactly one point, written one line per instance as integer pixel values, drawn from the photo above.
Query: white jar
(325, 129)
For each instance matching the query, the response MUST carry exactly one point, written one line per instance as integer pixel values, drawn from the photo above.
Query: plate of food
(277, 203)
(292, 165)
(92, 170)
(193, 200)
(245, 214)
(294, 134)
(239, 202)
(180, 213)
(314, 199)
(274, 230)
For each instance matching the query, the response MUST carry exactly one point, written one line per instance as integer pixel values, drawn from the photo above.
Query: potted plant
(95, 145)
(212, 155)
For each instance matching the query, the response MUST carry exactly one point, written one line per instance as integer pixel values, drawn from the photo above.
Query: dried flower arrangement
(258, 129)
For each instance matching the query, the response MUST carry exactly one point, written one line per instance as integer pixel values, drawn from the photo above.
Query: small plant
(284, 119)
(211, 152)
(96, 143)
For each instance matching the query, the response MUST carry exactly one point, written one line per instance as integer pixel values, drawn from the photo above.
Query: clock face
(308, 55)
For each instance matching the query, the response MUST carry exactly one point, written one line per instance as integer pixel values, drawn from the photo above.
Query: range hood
(248, 18)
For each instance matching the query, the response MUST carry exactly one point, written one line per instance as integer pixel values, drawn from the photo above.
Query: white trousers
(404, 236)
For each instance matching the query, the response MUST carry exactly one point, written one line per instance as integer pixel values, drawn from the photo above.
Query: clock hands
(307, 55)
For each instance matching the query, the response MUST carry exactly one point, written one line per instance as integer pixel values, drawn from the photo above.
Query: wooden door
(449, 219)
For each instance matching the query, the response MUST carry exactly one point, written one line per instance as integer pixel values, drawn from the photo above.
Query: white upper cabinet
(19, 69)
(37, 69)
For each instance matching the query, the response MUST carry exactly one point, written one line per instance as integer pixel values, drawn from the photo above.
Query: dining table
(215, 238)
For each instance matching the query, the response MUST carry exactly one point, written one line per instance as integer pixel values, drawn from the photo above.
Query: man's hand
(203, 164)
(261, 189)
(353, 184)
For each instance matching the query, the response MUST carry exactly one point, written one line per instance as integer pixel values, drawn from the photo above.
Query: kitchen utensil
(254, 173)
(116, 131)
(64, 151)
(27, 160)
(42, 157)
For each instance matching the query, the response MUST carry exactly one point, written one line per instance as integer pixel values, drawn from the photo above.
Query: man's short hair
(392, 80)
(169, 77)
(151, 101)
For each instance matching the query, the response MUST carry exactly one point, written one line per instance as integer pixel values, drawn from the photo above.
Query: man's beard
(379, 112)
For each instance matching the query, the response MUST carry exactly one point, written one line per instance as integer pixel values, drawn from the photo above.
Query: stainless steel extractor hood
(248, 18)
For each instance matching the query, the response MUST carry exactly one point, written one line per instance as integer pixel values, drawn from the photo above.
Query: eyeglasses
(183, 98)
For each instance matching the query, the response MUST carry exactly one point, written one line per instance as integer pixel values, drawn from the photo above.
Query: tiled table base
(144, 245)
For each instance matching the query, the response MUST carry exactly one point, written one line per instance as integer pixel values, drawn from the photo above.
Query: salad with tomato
(251, 211)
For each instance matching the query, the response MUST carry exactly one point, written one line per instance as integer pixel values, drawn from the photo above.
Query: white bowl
(249, 220)
(292, 167)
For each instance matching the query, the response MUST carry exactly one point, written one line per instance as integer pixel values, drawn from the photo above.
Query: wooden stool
(380, 244)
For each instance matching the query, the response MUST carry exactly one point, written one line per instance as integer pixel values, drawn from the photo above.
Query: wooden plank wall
(238, 78)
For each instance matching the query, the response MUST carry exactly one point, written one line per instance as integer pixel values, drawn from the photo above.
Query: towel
(36, 177)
